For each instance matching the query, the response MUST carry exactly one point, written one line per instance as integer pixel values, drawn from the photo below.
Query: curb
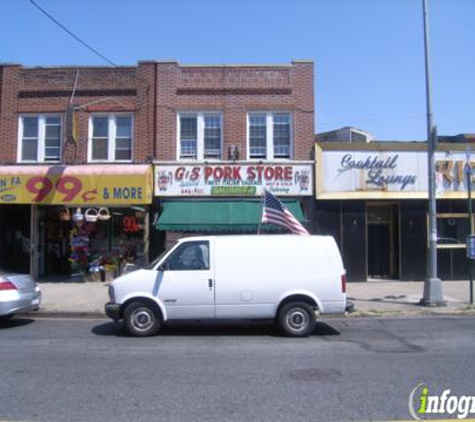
(64, 314)
(352, 314)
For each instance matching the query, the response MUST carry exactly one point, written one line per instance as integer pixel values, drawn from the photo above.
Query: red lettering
(179, 173)
(70, 186)
(251, 173)
(269, 173)
(89, 195)
(288, 173)
(278, 173)
(218, 173)
(41, 186)
(208, 172)
(228, 171)
(195, 174)
(237, 173)
(259, 172)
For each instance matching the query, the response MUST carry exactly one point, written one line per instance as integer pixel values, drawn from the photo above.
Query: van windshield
(152, 264)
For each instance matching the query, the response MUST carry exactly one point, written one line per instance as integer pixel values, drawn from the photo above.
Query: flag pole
(262, 210)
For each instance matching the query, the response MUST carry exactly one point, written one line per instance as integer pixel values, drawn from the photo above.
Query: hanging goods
(78, 217)
(91, 215)
(64, 215)
(103, 214)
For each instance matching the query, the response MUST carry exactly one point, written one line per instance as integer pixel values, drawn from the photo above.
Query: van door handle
(210, 283)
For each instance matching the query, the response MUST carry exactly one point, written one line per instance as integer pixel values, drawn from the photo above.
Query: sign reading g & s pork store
(233, 179)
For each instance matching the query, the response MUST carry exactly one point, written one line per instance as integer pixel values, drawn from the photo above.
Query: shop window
(452, 231)
(39, 138)
(89, 247)
(111, 138)
(270, 135)
(199, 136)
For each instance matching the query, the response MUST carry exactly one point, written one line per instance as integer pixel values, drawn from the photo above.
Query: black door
(379, 260)
(383, 240)
(15, 246)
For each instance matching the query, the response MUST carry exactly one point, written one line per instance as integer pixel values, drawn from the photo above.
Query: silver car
(18, 293)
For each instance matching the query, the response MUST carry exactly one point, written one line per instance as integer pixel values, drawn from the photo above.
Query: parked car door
(187, 285)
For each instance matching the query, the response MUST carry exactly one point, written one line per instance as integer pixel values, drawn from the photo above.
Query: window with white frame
(199, 136)
(39, 138)
(111, 137)
(270, 135)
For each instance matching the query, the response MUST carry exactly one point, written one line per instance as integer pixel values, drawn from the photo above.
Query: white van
(287, 278)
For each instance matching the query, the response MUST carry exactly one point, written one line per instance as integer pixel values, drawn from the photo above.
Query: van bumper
(112, 310)
(334, 307)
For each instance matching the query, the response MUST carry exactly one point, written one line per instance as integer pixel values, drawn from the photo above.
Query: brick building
(223, 133)
(79, 146)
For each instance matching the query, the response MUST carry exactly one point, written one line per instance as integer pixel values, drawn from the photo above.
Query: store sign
(389, 174)
(233, 180)
(76, 185)
(378, 171)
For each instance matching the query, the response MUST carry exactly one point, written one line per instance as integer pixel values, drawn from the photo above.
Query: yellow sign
(76, 185)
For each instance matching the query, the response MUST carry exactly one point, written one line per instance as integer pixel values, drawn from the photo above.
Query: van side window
(190, 256)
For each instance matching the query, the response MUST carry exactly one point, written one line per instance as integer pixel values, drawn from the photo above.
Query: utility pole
(468, 169)
(433, 295)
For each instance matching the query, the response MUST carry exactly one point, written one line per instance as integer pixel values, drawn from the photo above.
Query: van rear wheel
(297, 319)
(141, 320)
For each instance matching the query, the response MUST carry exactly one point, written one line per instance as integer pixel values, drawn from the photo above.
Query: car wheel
(141, 320)
(297, 319)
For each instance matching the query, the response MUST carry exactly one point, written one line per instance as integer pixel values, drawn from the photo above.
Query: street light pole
(468, 169)
(433, 285)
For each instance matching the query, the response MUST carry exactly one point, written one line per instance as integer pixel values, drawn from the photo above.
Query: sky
(368, 54)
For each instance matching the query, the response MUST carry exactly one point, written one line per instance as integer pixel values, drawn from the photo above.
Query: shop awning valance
(94, 184)
(227, 216)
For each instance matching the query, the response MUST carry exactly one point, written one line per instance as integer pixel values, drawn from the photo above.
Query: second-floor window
(270, 135)
(199, 136)
(110, 138)
(39, 138)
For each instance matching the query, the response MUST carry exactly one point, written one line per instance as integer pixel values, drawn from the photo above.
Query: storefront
(373, 199)
(225, 198)
(83, 222)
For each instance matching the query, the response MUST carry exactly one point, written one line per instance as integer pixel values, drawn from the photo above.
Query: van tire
(141, 320)
(297, 319)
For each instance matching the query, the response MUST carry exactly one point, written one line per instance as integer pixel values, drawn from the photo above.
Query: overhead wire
(64, 28)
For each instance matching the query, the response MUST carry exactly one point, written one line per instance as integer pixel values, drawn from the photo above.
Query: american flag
(275, 212)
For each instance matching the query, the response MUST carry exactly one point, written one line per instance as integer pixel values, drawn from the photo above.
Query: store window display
(95, 243)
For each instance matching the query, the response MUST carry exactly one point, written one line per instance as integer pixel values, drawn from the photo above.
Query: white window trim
(200, 137)
(112, 129)
(41, 151)
(269, 136)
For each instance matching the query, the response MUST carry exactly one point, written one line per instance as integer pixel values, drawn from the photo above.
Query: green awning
(227, 216)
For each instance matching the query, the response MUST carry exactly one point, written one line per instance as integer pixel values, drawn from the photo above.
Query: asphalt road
(349, 369)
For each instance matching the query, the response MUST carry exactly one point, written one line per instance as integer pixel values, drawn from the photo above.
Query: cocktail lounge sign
(233, 179)
(389, 174)
(379, 172)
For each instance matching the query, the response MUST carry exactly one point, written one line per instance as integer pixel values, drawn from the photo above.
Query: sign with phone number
(98, 189)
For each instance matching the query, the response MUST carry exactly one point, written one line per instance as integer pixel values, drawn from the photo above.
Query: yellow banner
(76, 185)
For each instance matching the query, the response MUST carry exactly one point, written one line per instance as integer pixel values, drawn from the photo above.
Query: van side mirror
(164, 266)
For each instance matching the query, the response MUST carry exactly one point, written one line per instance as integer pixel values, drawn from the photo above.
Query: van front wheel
(141, 320)
(297, 319)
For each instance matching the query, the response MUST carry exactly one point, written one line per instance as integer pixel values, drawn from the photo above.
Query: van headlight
(111, 294)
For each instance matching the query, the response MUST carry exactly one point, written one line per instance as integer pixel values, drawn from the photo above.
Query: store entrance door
(15, 239)
(383, 241)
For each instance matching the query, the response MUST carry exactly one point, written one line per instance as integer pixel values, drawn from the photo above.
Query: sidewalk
(373, 298)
